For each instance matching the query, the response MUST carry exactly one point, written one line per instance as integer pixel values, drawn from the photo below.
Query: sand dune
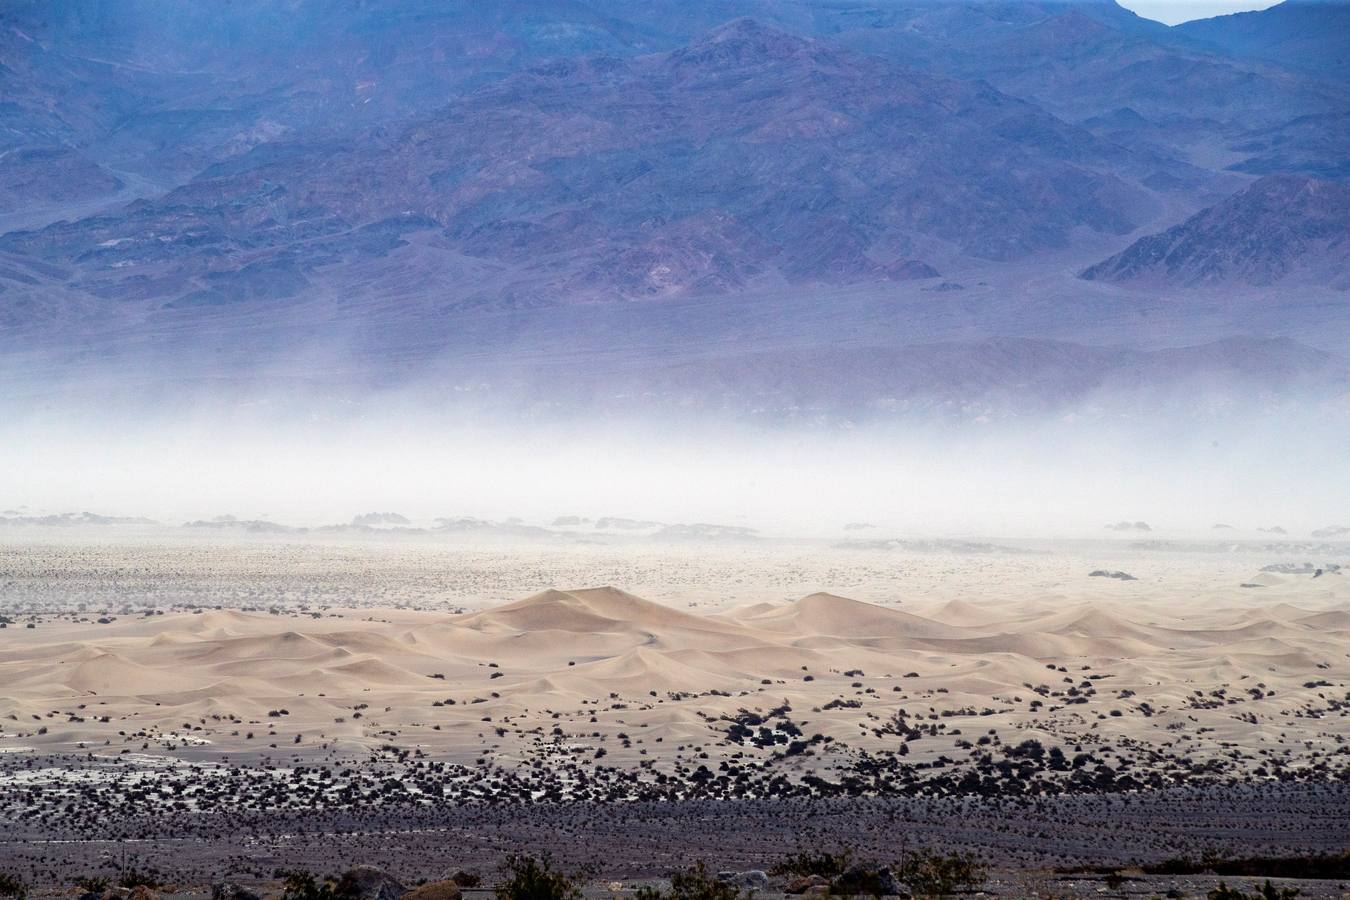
(965, 614)
(110, 674)
(1334, 620)
(586, 670)
(828, 614)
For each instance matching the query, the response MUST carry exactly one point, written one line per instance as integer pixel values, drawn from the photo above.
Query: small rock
(752, 878)
(1104, 573)
(804, 883)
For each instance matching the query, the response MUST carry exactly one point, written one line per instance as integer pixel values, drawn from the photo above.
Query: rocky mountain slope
(606, 179)
(1283, 227)
(228, 185)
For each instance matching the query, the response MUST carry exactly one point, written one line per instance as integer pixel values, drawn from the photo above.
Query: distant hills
(606, 179)
(991, 380)
(1307, 35)
(429, 188)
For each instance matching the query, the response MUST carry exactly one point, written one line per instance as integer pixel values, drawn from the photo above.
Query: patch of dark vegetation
(867, 881)
(919, 872)
(753, 728)
(12, 887)
(1026, 769)
(535, 878)
(821, 862)
(93, 884)
(692, 884)
(133, 877)
(1332, 865)
(927, 872)
(1266, 891)
(302, 885)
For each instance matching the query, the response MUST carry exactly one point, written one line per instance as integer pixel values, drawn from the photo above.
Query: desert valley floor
(270, 700)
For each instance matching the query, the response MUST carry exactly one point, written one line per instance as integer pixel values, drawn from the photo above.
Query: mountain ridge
(430, 190)
(1279, 228)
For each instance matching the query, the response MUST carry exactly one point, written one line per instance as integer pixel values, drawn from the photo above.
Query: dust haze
(1065, 475)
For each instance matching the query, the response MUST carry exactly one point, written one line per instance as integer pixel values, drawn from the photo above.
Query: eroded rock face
(369, 883)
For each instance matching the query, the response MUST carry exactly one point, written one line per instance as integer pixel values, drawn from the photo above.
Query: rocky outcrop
(369, 883)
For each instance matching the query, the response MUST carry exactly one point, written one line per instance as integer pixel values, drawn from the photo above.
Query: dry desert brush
(927, 872)
(11, 887)
(531, 878)
(822, 863)
(692, 884)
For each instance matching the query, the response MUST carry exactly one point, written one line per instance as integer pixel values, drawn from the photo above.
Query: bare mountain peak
(1073, 25)
(748, 29)
(740, 42)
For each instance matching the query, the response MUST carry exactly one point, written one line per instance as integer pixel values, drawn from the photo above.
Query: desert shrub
(823, 863)
(1177, 865)
(528, 878)
(1266, 891)
(133, 877)
(864, 881)
(93, 884)
(939, 873)
(693, 884)
(11, 886)
(302, 885)
(1332, 865)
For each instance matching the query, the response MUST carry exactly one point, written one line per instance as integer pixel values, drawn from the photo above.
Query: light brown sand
(1188, 658)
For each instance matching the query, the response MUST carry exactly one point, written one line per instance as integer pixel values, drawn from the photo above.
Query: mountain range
(427, 189)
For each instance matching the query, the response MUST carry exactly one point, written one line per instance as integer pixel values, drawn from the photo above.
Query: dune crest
(616, 672)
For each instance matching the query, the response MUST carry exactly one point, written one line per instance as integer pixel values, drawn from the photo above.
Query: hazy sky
(1174, 12)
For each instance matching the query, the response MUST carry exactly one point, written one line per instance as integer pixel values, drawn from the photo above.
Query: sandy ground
(258, 676)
